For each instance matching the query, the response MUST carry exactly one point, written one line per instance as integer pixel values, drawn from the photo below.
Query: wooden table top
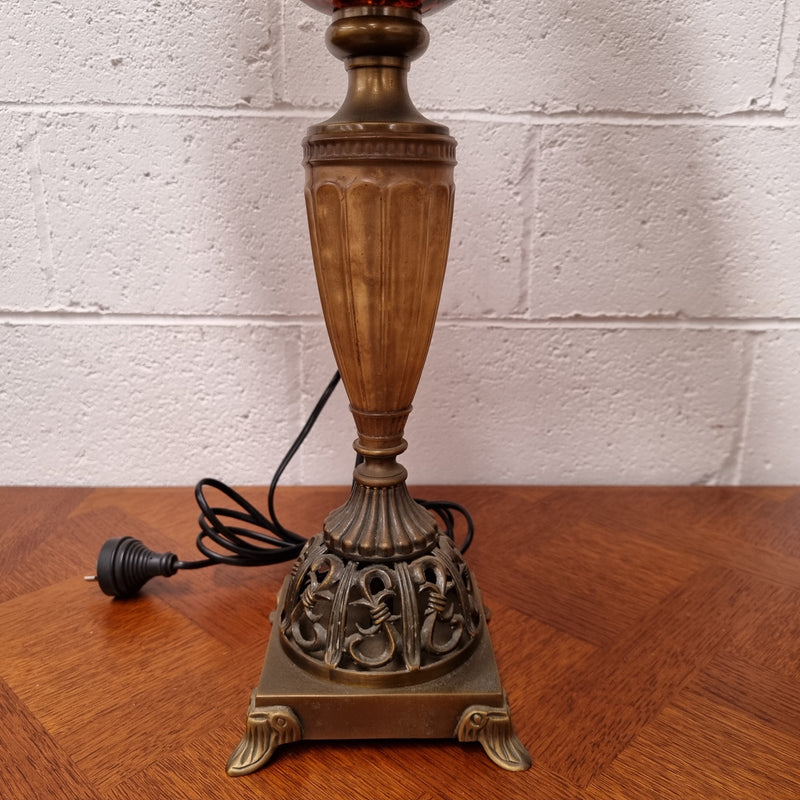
(648, 638)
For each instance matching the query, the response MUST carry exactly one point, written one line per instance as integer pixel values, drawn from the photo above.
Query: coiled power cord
(240, 535)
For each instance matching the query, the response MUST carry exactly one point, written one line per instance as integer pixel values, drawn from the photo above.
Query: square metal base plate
(467, 703)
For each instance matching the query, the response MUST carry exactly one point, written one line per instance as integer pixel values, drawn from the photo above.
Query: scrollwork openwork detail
(365, 622)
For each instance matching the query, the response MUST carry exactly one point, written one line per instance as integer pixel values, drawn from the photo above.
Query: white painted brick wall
(623, 295)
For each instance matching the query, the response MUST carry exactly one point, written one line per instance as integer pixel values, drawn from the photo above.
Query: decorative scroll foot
(492, 728)
(267, 729)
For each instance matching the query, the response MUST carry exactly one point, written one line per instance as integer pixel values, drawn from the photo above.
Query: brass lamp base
(380, 631)
(290, 704)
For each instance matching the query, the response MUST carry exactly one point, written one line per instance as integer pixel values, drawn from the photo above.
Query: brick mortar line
(627, 322)
(742, 119)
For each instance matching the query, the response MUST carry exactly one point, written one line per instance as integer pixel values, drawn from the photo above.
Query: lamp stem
(379, 195)
(381, 631)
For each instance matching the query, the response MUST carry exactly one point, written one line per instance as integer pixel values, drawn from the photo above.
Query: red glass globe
(423, 6)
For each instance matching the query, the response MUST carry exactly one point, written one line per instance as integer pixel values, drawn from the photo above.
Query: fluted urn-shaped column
(381, 594)
(379, 194)
(380, 630)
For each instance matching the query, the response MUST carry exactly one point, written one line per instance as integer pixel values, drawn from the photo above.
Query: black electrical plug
(125, 565)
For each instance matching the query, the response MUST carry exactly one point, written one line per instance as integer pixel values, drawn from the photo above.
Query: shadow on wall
(256, 244)
(649, 234)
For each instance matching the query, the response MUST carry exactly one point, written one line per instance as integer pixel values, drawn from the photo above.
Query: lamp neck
(377, 45)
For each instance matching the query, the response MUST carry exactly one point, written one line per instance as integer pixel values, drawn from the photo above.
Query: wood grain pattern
(649, 640)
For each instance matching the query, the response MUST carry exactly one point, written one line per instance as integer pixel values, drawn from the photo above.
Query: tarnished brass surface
(377, 45)
(268, 727)
(381, 632)
(379, 194)
(380, 624)
(467, 703)
(491, 726)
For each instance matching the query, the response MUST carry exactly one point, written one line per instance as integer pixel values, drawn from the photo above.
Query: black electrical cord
(255, 539)
(251, 548)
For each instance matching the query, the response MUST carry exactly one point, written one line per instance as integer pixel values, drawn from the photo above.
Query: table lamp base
(290, 704)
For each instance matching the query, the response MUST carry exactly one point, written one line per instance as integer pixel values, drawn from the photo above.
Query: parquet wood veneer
(649, 639)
